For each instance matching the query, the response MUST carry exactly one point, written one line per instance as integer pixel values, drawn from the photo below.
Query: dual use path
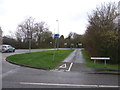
(74, 62)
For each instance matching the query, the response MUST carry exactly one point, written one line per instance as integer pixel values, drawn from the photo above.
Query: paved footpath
(74, 62)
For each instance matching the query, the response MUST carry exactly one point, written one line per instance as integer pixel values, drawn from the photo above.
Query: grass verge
(91, 64)
(42, 59)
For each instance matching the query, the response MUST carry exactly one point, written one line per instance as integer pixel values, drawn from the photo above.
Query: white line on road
(63, 66)
(10, 72)
(71, 85)
(108, 86)
(70, 67)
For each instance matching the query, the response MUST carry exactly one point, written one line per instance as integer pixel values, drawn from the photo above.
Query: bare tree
(101, 35)
(41, 33)
(39, 30)
(24, 28)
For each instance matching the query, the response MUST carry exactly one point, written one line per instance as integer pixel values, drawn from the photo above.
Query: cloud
(72, 14)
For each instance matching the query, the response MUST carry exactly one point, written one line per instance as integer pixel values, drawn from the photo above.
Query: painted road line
(10, 72)
(70, 67)
(63, 66)
(70, 85)
(108, 86)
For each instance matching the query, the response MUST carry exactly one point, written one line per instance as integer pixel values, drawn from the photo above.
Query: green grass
(42, 59)
(91, 64)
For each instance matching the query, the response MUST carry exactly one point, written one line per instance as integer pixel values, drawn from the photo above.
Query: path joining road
(74, 62)
(71, 73)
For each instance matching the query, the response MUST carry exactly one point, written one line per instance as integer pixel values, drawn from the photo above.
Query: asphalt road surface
(71, 73)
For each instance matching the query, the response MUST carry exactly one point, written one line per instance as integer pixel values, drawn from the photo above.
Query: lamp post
(58, 33)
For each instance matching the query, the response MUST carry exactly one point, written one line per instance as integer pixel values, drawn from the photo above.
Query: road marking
(108, 86)
(63, 66)
(71, 85)
(10, 72)
(70, 67)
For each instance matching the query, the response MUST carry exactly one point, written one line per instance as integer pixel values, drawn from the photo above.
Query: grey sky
(72, 14)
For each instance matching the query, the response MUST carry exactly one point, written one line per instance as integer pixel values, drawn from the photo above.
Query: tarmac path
(74, 62)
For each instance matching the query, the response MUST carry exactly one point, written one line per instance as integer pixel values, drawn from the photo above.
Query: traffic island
(46, 60)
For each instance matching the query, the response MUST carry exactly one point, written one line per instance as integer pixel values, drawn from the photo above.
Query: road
(71, 73)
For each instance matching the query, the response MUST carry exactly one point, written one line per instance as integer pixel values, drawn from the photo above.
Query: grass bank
(42, 59)
(91, 64)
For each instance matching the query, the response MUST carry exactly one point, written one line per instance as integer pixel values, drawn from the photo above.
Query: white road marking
(70, 67)
(108, 86)
(10, 72)
(71, 85)
(63, 66)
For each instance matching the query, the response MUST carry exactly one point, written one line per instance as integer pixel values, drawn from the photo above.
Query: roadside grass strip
(42, 59)
(91, 64)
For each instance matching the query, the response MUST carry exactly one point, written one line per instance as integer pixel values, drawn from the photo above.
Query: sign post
(56, 36)
(29, 35)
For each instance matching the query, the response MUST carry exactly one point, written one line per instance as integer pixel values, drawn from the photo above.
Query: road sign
(29, 35)
(56, 36)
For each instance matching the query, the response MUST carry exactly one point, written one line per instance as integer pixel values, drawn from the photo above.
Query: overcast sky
(72, 14)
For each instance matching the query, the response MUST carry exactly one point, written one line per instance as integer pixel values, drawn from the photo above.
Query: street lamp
(58, 25)
(58, 33)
